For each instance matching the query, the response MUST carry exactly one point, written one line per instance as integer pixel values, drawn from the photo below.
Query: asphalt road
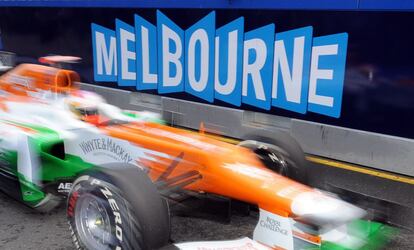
(23, 228)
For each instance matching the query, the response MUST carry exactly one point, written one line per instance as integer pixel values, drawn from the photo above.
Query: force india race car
(118, 171)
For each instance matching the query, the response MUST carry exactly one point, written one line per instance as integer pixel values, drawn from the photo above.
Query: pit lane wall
(336, 74)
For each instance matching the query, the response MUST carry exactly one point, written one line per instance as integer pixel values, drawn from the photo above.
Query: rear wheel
(279, 152)
(117, 207)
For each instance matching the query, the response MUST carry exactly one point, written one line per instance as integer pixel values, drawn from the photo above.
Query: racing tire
(117, 207)
(279, 152)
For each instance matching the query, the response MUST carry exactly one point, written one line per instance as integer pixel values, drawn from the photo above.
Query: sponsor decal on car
(64, 187)
(274, 230)
(291, 70)
(106, 146)
(102, 149)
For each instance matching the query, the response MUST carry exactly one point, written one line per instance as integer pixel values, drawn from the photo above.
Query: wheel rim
(283, 166)
(271, 155)
(93, 223)
(277, 160)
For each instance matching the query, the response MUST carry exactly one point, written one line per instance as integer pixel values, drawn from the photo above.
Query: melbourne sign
(290, 70)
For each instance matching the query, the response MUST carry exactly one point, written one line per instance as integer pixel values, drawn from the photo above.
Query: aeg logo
(290, 70)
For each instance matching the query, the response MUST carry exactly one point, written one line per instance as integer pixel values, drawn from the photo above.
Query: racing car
(118, 171)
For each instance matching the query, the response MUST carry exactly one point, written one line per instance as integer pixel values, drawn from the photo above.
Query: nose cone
(320, 209)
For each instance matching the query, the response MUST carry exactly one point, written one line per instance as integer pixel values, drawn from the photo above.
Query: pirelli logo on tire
(115, 210)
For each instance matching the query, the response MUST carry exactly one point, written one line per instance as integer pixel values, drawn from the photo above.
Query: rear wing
(58, 61)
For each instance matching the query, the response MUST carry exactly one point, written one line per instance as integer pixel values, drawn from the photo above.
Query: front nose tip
(320, 209)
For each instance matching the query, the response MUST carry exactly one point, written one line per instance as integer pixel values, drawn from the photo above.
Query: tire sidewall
(119, 211)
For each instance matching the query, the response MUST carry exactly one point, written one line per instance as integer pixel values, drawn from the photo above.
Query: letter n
(291, 69)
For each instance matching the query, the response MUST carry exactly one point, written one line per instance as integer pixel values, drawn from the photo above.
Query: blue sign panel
(104, 54)
(229, 62)
(327, 74)
(170, 55)
(126, 55)
(199, 60)
(257, 66)
(146, 40)
(291, 64)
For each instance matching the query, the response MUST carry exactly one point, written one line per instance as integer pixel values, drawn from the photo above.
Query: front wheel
(117, 208)
(279, 152)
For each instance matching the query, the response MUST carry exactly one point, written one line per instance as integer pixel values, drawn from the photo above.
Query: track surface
(23, 228)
